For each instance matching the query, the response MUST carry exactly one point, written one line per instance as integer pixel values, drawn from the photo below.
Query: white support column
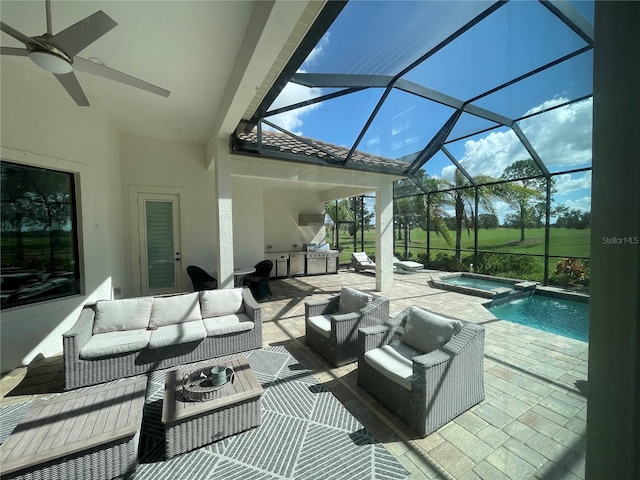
(224, 231)
(384, 237)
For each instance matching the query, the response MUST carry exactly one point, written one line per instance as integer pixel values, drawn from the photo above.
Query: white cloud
(582, 203)
(489, 155)
(372, 143)
(561, 137)
(316, 53)
(568, 183)
(293, 93)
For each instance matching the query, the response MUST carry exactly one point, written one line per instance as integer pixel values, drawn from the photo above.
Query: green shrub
(510, 266)
(443, 262)
(571, 271)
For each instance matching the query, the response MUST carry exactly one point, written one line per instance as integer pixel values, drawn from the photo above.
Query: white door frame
(136, 228)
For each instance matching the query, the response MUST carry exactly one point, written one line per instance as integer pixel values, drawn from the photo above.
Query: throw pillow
(216, 303)
(123, 314)
(352, 300)
(428, 331)
(175, 309)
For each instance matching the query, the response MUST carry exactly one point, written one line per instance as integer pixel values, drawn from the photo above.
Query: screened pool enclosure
(482, 110)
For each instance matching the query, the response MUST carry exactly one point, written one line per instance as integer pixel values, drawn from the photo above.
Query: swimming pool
(562, 316)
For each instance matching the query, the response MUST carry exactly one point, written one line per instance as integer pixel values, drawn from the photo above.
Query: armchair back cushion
(175, 309)
(121, 315)
(427, 331)
(352, 300)
(217, 303)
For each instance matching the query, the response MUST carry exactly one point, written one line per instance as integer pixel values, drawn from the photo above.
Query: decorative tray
(200, 385)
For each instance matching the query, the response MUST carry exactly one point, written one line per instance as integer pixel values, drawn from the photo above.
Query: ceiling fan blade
(28, 41)
(80, 35)
(17, 52)
(73, 88)
(88, 66)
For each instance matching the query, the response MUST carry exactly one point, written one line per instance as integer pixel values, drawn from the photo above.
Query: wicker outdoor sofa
(428, 372)
(121, 338)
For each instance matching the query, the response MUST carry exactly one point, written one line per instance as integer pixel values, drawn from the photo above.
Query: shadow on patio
(532, 423)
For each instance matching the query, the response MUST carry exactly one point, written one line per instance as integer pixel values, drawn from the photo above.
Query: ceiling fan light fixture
(50, 62)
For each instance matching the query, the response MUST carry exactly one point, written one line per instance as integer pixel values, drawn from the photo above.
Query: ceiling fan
(57, 54)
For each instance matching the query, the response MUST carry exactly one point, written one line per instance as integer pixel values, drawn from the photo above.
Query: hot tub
(484, 286)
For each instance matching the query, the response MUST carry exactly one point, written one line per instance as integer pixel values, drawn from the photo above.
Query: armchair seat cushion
(226, 324)
(177, 333)
(115, 343)
(394, 362)
(321, 324)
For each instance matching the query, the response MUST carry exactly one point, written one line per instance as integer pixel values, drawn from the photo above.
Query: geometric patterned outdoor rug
(306, 433)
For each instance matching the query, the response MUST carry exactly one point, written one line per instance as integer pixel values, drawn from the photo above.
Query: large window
(39, 257)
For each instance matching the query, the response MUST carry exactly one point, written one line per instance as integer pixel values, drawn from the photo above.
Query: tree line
(451, 207)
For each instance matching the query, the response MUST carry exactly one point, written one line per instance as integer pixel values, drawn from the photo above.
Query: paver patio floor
(532, 423)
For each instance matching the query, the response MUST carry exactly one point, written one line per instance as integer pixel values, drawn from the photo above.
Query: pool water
(481, 283)
(560, 316)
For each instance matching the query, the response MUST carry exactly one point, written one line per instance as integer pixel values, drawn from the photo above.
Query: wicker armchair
(427, 390)
(331, 326)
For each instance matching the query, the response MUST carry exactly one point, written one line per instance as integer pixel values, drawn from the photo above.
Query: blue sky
(384, 37)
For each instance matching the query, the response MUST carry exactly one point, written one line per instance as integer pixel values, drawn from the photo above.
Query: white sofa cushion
(352, 300)
(428, 331)
(114, 343)
(123, 314)
(215, 303)
(321, 324)
(226, 324)
(177, 333)
(394, 362)
(175, 309)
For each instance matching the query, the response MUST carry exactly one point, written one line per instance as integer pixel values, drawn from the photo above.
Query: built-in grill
(319, 262)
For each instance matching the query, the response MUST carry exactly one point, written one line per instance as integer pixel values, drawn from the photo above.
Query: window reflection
(39, 235)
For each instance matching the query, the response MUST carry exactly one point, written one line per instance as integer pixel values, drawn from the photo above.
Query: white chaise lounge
(361, 261)
(406, 265)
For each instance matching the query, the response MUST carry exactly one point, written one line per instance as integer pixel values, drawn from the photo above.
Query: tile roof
(311, 147)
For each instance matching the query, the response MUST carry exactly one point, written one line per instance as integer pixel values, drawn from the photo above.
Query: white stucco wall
(158, 166)
(281, 209)
(248, 223)
(42, 127)
(79, 140)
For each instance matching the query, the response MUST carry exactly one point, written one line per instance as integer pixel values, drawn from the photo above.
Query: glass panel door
(160, 248)
(161, 270)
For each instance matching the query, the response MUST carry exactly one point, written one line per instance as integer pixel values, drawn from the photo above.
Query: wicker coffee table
(193, 424)
(91, 433)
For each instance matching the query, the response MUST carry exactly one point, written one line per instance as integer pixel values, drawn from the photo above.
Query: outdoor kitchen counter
(302, 262)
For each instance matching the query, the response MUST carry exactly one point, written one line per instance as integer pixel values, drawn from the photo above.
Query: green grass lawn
(562, 242)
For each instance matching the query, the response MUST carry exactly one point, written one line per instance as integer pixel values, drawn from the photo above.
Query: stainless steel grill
(322, 262)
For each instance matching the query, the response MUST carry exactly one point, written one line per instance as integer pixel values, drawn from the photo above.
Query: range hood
(314, 220)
